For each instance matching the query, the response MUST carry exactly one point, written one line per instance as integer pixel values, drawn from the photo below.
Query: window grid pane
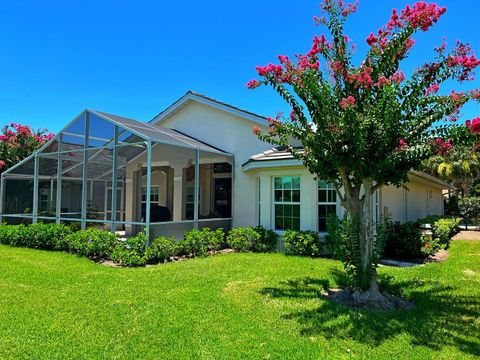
(287, 202)
(327, 203)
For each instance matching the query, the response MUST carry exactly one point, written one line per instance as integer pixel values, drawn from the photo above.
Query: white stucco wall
(420, 199)
(232, 134)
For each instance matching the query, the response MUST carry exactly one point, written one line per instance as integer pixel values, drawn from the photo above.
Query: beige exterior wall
(252, 190)
(232, 134)
(419, 199)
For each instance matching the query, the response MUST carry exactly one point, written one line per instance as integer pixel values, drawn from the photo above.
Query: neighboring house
(198, 151)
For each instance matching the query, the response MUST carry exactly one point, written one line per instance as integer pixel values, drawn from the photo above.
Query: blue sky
(134, 58)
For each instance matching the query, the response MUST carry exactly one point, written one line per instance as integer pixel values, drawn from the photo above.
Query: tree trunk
(359, 206)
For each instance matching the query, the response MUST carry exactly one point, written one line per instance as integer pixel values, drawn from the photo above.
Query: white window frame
(152, 193)
(327, 203)
(274, 203)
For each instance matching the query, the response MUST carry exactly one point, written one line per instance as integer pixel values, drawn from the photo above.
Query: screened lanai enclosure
(114, 173)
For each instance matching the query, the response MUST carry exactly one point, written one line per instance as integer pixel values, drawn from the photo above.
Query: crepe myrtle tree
(365, 126)
(18, 141)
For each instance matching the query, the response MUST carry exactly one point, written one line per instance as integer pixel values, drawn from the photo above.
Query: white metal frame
(283, 202)
(116, 144)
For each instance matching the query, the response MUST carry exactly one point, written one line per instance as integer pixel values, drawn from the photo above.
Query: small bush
(198, 242)
(267, 241)
(403, 240)
(92, 243)
(304, 243)
(242, 238)
(131, 252)
(215, 239)
(46, 236)
(35, 236)
(161, 249)
(444, 229)
(12, 234)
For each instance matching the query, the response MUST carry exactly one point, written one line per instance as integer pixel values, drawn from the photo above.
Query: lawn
(56, 305)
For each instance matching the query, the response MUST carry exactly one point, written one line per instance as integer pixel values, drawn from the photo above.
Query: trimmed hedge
(303, 243)
(199, 242)
(131, 252)
(99, 244)
(35, 236)
(92, 243)
(256, 239)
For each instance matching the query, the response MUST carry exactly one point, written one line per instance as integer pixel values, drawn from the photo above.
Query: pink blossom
(347, 102)
(253, 84)
(3, 164)
(257, 130)
(422, 15)
(293, 116)
(402, 144)
(475, 125)
(269, 69)
(372, 39)
(3, 138)
(382, 80)
(443, 146)
(432, 89)
(398, 77)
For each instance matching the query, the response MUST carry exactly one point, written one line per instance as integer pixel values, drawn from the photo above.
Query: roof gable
(208, 101)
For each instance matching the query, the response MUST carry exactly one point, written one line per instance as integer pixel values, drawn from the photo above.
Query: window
(154, 198)
(287, 203)
(190, 202)
(327, 203)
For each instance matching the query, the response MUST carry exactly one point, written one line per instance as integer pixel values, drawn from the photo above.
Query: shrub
(12, 234)
(131, 252)
(45, 236)
(215, 239)
(242, 238)
(92, 243)
(267, 241)
(304, 243)
(198, 242)
(35, 236)
(161, 249)
(469, 208)
(444, 229)
(403, 240)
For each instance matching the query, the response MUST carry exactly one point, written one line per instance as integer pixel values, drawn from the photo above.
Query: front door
(223, 197)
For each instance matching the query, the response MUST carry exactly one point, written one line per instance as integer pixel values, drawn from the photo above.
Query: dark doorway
(223, 197)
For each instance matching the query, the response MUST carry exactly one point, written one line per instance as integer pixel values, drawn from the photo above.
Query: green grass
(55, 305)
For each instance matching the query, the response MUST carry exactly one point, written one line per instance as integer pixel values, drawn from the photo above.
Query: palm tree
(460, 166)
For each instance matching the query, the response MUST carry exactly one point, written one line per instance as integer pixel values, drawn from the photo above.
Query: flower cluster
(464, 60)
(347, 102)
(362, 78)
(253, 84)
(441, 147)
(474, 125)
(331, 5)
(17, 141)
(422, 15)
(432, 89)
(402, 144)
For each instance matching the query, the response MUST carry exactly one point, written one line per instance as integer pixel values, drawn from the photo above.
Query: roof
(206, 100)
(133, 129)
(157, 133)
(273, 157)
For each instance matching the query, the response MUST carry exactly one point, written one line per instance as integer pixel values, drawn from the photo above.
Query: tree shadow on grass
(443, 315)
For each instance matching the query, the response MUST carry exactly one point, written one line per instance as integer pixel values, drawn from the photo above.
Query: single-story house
(195, 164)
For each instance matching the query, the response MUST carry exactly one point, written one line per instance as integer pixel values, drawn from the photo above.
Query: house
(196, 164)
